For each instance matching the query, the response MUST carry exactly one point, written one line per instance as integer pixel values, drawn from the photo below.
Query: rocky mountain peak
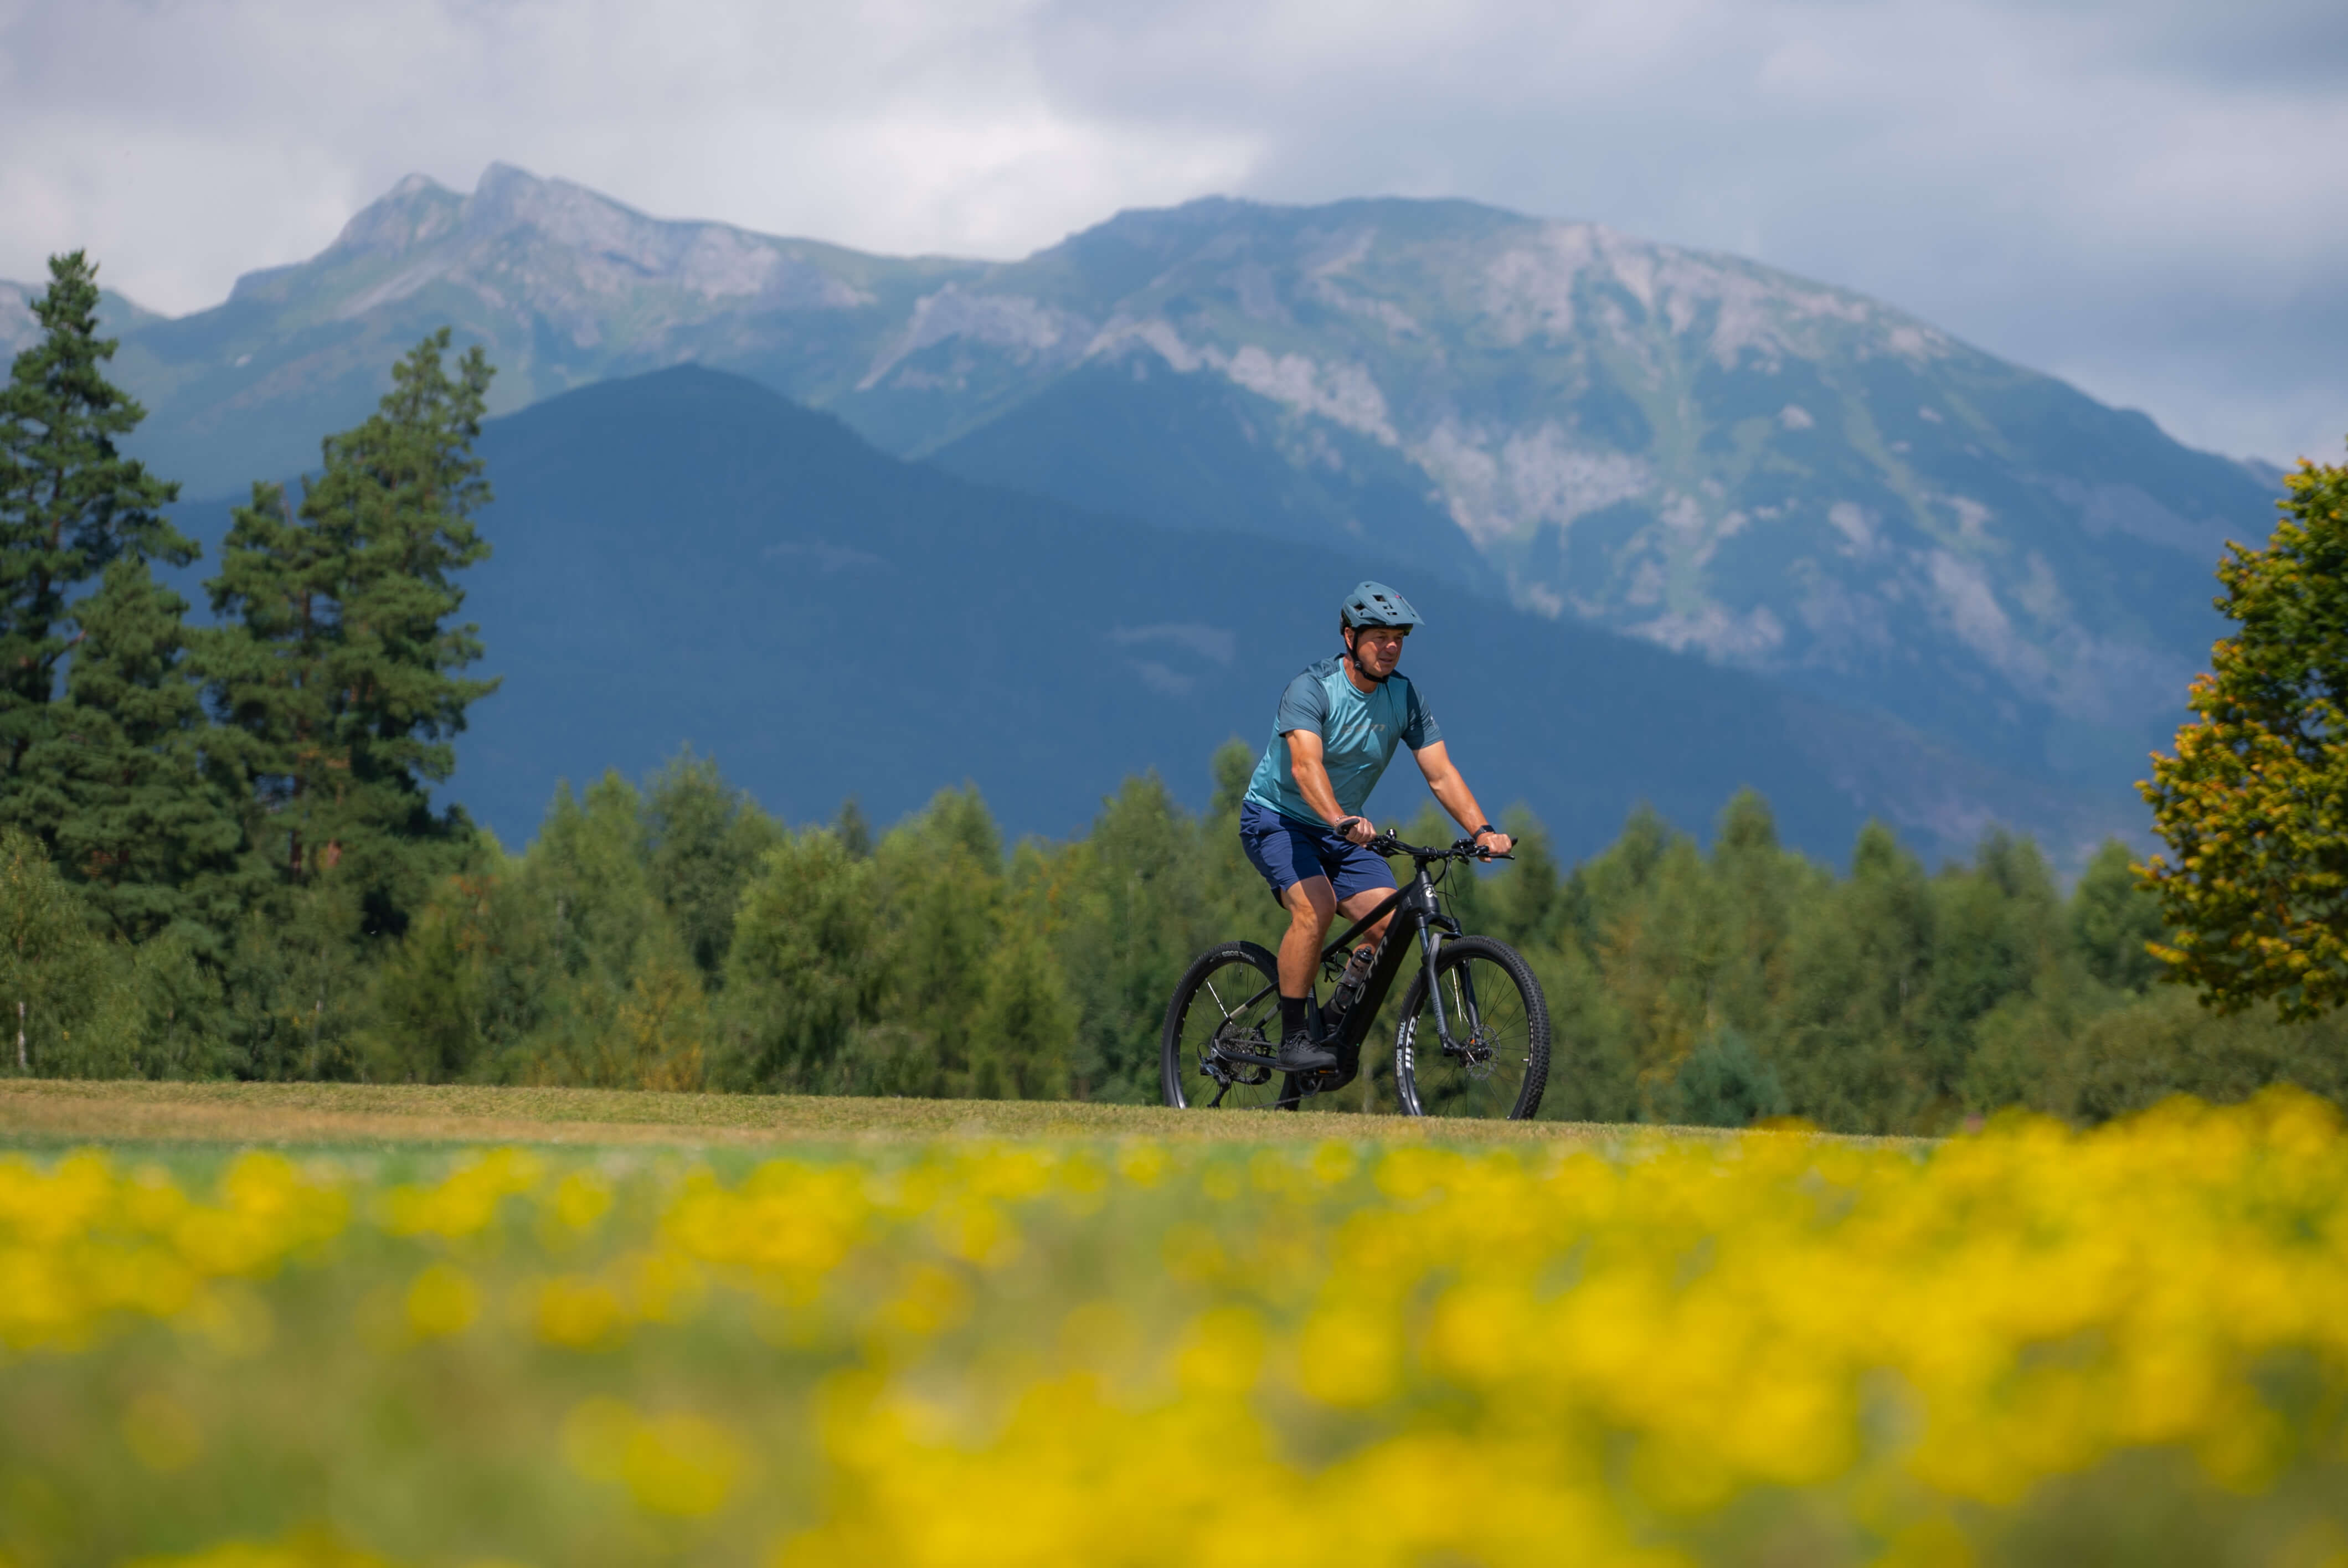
(412, 213)
(508, 198)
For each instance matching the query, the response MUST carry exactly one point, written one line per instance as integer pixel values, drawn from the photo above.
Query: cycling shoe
(1299, 1055)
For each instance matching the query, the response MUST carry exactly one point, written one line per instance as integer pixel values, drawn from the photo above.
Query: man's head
(1375, 620)
(1375, 649)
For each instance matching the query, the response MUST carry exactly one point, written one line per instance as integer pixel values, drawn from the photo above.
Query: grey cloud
(2144, 194)
(2102, 188)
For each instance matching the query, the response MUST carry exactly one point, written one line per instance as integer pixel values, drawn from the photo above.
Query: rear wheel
(1226, 1009)
(1498, 1062)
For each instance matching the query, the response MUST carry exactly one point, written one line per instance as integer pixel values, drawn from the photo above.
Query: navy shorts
(1288, 852)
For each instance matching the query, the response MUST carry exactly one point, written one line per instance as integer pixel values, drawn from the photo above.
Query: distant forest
(220, 857)
(673, 935)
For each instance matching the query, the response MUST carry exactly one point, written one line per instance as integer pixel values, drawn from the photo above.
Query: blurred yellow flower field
(2028, 1346)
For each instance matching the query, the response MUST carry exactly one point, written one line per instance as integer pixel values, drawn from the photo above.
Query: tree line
(210, 830)
(219, 857)
(673, 934)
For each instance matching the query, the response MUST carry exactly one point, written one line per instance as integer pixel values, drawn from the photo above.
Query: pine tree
(120, 780)
(69, 502)
(338, 668)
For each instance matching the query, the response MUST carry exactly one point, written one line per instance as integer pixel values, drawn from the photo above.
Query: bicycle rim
(1497, 1017)
(1227, 1002)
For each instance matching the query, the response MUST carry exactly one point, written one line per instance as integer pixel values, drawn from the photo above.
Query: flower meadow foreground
(2027, 1346)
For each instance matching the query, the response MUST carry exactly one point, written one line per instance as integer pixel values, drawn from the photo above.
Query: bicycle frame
(1418, 911)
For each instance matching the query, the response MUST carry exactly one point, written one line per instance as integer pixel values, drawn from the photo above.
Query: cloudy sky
(2148, 197)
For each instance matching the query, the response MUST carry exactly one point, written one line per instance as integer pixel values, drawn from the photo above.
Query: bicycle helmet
(1375, 604)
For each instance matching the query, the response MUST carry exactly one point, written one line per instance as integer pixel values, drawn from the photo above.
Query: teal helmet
(1375, 604)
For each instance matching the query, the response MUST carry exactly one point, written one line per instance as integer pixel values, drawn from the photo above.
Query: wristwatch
(1480, 832)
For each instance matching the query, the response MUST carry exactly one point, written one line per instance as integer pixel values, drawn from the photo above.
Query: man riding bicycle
(1335, 730)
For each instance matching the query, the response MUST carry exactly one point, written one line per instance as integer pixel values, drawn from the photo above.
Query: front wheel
(1222, 1029)
(1497, 1063)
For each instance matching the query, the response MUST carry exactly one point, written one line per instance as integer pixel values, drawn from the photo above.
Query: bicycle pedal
(1328, 1080)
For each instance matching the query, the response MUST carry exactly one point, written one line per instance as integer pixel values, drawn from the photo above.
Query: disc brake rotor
(1478, 1058)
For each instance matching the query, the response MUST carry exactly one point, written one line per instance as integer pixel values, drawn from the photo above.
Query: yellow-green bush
(2029, 1346)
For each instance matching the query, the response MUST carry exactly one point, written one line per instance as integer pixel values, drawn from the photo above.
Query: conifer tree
(338, 668)
(119, 781)
(70, 502)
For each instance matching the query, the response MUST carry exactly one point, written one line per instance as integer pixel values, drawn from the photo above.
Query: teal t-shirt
(1358, 735)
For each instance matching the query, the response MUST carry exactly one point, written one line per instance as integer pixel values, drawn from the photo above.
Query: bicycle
(1489, 1051)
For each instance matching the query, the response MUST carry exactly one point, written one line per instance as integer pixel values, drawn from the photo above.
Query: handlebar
(1464, 849)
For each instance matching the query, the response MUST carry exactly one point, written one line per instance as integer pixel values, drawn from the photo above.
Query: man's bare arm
(1443, 778)
(1304, 754)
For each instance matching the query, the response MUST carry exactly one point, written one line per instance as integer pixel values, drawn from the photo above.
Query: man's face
(1378, 649)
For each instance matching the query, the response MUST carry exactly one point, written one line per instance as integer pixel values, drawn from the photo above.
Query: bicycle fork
(1430, 950)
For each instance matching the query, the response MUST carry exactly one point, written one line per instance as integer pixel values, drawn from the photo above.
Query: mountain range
(1773, 475)
(686, 557)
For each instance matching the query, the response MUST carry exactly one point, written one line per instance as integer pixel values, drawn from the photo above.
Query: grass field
(47, 1111)
(269, 1327)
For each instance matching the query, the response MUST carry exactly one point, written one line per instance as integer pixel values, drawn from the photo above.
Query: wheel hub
(1478, 1057)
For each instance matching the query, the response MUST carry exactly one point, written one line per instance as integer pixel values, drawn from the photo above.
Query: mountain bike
(1473, 1040)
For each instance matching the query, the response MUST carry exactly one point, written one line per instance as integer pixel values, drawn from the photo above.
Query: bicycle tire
(1182, 1047)
(1518, 1035)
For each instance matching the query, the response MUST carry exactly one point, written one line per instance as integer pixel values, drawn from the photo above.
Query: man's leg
(1311, 904)
(1354, 907)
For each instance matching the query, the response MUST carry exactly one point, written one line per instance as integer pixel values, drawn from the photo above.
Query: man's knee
(1311, 904)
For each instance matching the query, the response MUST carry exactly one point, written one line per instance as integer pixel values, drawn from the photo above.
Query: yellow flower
(442, 1301)
(581, 1313)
